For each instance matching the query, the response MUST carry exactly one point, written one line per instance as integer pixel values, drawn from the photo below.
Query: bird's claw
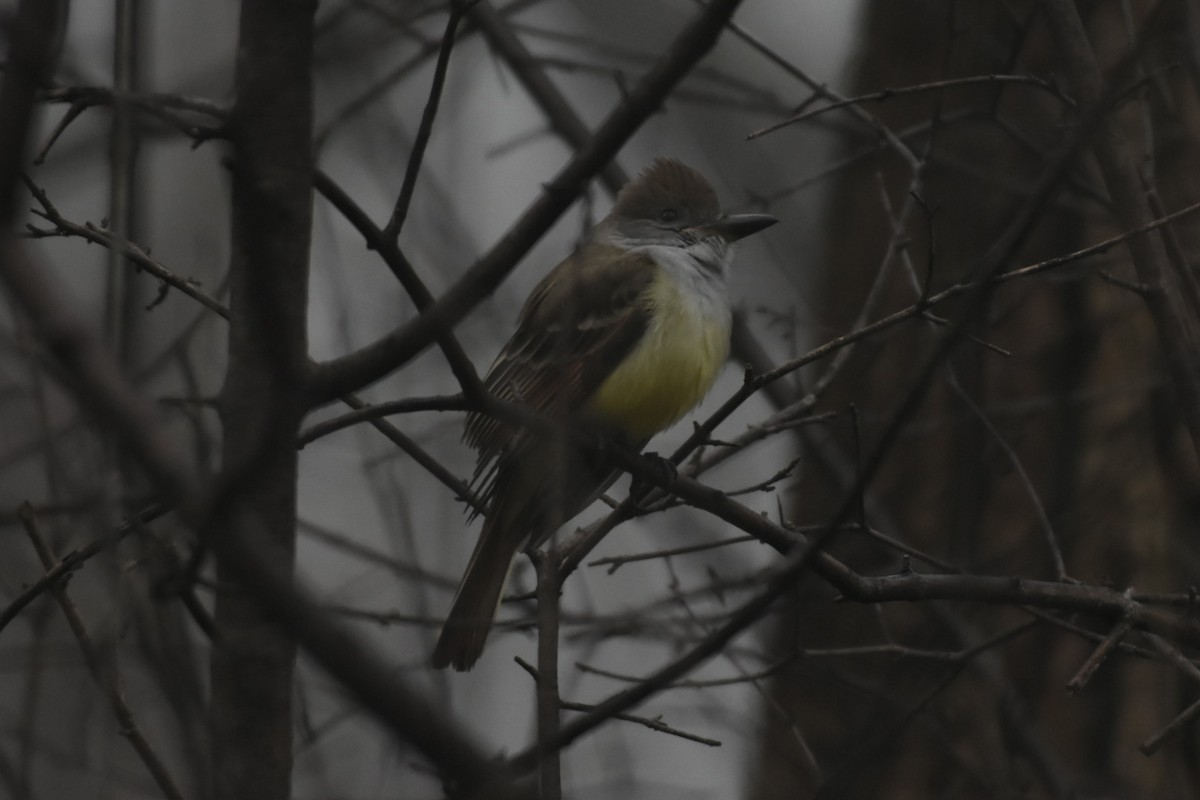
(665, 473)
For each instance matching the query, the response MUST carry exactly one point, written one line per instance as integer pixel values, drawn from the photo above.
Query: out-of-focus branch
(105, 675)
(345, 374)
(460, 364)
(563, 119)
(101, 390)
(97, 383)
(1170, 295)
(171, 110)
(31, 56)
(377, 89)
(549, 591)
(820, 90)
(123, 156)
(900, 91)
(75, 559)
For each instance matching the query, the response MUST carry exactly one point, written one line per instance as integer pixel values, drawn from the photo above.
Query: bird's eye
(668, 215)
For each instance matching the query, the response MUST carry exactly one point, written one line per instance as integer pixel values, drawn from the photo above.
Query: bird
(624, 337)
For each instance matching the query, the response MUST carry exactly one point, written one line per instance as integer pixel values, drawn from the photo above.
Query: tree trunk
(1078, 420)
(261, 401)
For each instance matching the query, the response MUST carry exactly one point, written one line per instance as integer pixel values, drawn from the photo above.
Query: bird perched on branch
(625, 337)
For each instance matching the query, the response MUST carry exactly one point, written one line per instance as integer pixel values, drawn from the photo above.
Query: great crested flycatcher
(625, 336)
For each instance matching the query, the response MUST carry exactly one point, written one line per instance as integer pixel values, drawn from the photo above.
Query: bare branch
(344, 374)
(901, 91)
(416, 156)
(104, 674)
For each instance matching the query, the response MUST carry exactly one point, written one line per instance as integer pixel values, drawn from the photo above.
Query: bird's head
(670, 204)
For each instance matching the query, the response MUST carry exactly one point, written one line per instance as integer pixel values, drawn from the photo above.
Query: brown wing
(575, 328)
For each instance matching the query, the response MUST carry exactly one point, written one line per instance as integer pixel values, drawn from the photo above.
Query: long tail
(466, 630)
(531, 500)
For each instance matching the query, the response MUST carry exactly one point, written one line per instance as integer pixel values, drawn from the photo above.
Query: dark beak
(737, 226)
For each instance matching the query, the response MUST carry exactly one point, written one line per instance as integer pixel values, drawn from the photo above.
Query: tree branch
(372, 362)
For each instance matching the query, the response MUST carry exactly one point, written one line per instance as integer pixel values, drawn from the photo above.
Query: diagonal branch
(384, 244)
(566, 123)
(372, 362)
(104, 674)
(400, 212)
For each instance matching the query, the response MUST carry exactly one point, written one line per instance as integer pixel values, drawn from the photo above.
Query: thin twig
(368, 413)
(1039, 508)
(806, 557)
(704, 430)
(1185, 665)
(563, 118)
(417, 453)
(933, 86)
(158, 105)
(455, 355)
(75, 559)
(120, 245)
(104, 674)
(1089, 667)
(100, 388)
(616, 562)
(654, 724)
(336, 377)
(767, 484)
(417, 154)
(403, 270)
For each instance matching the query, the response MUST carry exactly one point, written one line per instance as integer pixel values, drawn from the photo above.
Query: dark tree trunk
(261, 402)
(1104, 451)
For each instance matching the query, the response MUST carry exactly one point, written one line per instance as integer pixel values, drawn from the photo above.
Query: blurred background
(1049, 445)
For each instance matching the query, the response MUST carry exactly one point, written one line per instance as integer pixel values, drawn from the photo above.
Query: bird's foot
(664, 470)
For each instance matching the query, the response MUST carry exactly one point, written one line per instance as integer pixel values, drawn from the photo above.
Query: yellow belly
(671, 369)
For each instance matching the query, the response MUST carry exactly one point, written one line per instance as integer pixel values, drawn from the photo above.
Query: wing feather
(575, 328)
